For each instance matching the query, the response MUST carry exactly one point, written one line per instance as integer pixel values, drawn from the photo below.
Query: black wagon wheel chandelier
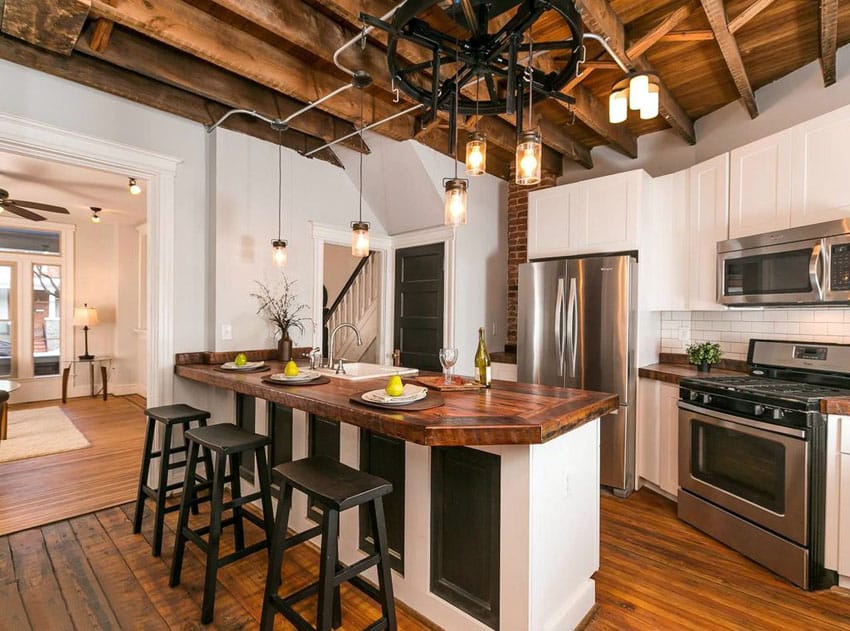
(463, 51)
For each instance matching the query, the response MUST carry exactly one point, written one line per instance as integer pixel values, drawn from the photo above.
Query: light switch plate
(226, 332)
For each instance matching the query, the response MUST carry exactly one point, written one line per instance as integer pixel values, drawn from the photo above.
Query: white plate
(302, 377)
(247, 366)
(411, 395)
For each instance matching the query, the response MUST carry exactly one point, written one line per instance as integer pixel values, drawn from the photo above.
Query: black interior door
(419, 297)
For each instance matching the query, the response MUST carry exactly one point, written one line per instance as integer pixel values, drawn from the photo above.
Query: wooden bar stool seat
(335, 487)
(228, 442)
(169, 416)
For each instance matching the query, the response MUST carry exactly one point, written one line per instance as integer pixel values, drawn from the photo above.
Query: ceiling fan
(16, 206)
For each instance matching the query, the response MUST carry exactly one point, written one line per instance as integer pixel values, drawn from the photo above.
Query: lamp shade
(85, 316)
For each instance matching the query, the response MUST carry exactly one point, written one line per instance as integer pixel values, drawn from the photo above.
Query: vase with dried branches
(283, 310)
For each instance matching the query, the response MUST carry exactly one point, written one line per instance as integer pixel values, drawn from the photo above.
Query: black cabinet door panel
(385, 457)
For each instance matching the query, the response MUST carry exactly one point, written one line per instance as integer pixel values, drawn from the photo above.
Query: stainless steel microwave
(808, 265)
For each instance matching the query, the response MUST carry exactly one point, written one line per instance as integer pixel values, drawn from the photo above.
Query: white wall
(795, 98)
(46, 99)
(338, 267)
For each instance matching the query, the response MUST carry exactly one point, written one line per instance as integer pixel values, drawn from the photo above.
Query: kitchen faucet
(333, 336)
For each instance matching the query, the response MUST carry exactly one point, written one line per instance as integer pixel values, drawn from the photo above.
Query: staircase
(358, 303)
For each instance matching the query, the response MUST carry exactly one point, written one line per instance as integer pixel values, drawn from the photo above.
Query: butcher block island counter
(494, 517)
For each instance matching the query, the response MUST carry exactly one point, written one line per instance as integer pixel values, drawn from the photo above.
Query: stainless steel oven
(756, 470)
(806, 265)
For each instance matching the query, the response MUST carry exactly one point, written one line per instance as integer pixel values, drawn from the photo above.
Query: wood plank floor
(42, 490)
(90, 572)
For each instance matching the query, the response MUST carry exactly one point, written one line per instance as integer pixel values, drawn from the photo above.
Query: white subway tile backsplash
(752, 316)
(829, 315)
(787, 328)
(801, 315)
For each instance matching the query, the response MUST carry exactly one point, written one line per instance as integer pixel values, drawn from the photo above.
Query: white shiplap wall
(733, 329)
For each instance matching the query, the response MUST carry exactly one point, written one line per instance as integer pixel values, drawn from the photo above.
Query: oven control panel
(839, 266)
(811, 353)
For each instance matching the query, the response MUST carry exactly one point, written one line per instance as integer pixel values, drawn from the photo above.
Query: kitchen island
(499, 489)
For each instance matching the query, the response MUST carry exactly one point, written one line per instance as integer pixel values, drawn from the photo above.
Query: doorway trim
(29, 138)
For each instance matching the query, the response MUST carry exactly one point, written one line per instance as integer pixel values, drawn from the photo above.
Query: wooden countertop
(506, 414)
(840, 406)
(674, 373)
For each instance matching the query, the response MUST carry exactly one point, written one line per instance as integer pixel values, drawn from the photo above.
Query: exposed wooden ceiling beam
(828, 39)
(697, 35)
(716, 14)
(564, 143)
(602, 20)
(640, 46)
(181, 70)
(182, 26)
(107, 78)
(736, 23)
(99, 34)
(51, 24)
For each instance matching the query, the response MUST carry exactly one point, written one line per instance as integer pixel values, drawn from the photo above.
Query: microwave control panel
(839, 262)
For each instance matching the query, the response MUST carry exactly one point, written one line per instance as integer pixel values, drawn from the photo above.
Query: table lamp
(85, 317)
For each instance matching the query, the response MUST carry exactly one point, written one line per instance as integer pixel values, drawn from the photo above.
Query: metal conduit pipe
(609, 50)
(367, 127)
(360, 37)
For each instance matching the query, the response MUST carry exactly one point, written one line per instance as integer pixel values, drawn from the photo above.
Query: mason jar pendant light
(279, 254)
(360, 228)
(529, 148)
(454, 210)
(476, 148)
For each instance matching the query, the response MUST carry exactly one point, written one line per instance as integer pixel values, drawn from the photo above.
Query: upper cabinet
(760, 186)
(820, 187)
(593, 216)
(709, 223)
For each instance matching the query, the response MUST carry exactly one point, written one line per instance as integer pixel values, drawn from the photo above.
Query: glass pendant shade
(95, 218)
(279, 253)
(476, 154)
(638, 91)
(529, 152)
(456, 201)
(649, 109)
(135, 189)
(618, 106)
(360, 239)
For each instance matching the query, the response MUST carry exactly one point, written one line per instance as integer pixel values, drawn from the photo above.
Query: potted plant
(284, 312)
(704, 355)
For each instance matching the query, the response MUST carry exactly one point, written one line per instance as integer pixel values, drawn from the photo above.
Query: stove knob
(778, 414)
(758, 409)
(693, 395)
(706, 399)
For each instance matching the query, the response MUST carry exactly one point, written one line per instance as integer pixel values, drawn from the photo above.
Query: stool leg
(164, 460)
(187, 425)
(265, 491)
(235, 492)
(206, 454)
(385, 579)
(143, 477)
(208, 606)
(276, 557)
(327, 568)
(183, 520)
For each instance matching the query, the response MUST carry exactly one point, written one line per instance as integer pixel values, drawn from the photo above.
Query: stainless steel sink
(361, 371)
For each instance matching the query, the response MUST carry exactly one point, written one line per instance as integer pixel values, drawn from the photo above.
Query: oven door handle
(814, 269)
(767, 427)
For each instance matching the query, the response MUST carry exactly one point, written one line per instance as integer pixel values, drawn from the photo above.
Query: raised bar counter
(506, 414)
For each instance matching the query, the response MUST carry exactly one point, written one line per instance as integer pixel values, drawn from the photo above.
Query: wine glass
(448, 358)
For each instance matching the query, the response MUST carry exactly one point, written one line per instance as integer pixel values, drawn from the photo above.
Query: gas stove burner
(778, 388)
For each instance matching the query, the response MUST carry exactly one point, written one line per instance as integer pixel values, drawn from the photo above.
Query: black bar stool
(169, 416)
(228, 442)
(335, 487)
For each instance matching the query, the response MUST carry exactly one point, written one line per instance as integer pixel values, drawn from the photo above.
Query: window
(46, 319)
(7, 309)
(30, 241)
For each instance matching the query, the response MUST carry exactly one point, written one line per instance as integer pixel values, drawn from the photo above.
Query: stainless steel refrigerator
(576, 328)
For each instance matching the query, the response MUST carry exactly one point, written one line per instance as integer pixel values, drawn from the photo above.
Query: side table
(104, 363)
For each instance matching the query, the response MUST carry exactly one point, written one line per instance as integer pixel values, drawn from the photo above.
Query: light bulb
(618, 106)
(135, 189)
(649, 109)
(638, 91)
(360, 239)
(279, 254)
(476, 155)
(528, 157)
(95, 219)
(95, 216)
(456, 202)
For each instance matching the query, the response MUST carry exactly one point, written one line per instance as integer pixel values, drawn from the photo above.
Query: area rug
(39, 432)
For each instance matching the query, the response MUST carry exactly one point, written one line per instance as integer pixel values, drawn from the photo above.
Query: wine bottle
(482, 360)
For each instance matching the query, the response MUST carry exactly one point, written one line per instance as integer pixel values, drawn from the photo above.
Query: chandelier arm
(513, 51)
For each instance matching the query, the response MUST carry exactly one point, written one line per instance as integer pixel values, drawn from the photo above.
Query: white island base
(549, 529)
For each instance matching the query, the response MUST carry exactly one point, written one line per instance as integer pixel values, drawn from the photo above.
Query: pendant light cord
(457, 90)
(279, 181)
(360, 212)
(529, 77)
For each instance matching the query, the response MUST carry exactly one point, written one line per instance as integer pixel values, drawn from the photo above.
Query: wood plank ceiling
(199, 58)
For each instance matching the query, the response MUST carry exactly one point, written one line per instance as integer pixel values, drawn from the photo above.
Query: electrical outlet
(226, 332)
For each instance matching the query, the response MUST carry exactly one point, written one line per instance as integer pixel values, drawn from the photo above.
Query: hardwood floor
(42, 490)
(656, 573)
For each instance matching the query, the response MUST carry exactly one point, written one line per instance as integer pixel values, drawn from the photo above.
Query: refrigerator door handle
(572, 325)
(559, 340)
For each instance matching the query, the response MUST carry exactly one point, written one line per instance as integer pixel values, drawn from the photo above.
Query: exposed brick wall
(518, 242)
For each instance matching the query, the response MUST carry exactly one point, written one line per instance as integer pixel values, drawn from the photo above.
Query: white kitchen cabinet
(760, 186)
(658, 435)
(709, 223)
(820, 188)
(594, 216)
(844, 522)
(503, 372)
